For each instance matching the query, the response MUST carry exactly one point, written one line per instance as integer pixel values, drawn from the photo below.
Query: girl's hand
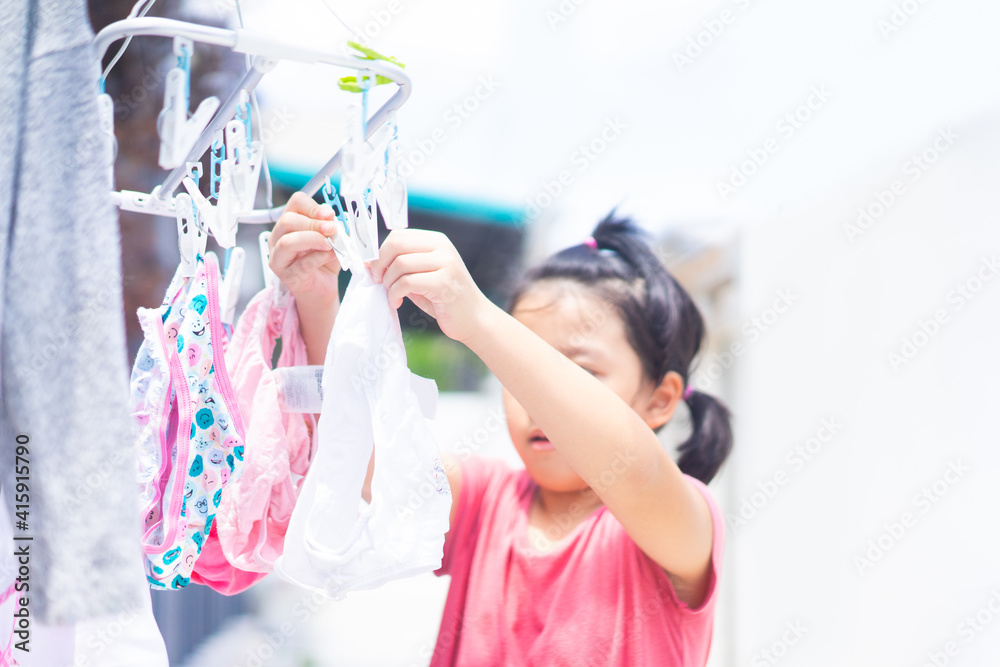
(300, 255)
(424, 266)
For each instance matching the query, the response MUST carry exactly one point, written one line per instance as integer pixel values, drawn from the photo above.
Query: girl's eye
(590, 370)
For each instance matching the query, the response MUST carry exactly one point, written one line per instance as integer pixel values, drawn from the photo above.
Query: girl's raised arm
(606, 442)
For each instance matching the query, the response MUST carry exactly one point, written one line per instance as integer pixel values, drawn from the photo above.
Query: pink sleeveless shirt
(593, 599)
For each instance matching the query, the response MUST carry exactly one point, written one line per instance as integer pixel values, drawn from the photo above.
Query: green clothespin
(350, 83)
(372, 54)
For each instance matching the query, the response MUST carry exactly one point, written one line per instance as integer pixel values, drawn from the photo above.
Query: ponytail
(662, 323)
(711, 439)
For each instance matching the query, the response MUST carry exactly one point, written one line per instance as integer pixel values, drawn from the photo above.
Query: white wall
(901, 425)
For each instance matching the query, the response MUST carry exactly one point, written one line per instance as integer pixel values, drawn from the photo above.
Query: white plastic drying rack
(266, 52)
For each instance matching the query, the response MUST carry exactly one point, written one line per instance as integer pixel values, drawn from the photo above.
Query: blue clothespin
(332, 199)
(218, 156)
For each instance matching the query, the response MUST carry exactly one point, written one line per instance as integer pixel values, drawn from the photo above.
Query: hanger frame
(266, 52)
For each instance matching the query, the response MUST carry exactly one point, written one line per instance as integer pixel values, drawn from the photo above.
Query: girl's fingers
(290, 246)
(420, 262)
(303, 204)
(306, 266)
(418, 286)
(402, 242)
(319, 221)
(310, 262)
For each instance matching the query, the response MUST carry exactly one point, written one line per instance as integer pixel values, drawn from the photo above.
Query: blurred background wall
(822, 176)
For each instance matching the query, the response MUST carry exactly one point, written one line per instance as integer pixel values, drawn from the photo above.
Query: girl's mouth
(540, 443)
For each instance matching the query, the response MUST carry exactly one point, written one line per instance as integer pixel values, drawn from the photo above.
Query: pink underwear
(250, 525)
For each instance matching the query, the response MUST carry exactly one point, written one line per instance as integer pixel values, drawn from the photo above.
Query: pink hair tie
(688, 392)
(590, 242)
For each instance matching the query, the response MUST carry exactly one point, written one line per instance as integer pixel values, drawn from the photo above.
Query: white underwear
(370, 398)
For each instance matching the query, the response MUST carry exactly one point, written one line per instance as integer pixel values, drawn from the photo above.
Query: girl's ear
(664, 399)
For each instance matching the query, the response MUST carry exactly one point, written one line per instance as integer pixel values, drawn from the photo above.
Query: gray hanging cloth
(63, 360)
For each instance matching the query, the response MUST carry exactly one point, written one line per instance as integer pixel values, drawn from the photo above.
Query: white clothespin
(375, 170)
(207, 213)
(106, 114)
(393, 200)
(388, 187)
(191, 238)
(238, 179)
(178, 133)
(229, 293)
(239, 174)
(141, 202)
(245, 160)
(106, 110)
(270, 279)
(358, 174)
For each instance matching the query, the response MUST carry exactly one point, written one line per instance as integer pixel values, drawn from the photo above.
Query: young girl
(602, 551)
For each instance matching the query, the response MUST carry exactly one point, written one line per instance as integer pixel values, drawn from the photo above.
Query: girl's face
(590, 333)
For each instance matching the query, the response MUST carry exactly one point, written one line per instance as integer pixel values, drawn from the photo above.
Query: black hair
(662, 322)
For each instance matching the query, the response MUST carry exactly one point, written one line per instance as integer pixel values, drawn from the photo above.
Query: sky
(556, 108)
